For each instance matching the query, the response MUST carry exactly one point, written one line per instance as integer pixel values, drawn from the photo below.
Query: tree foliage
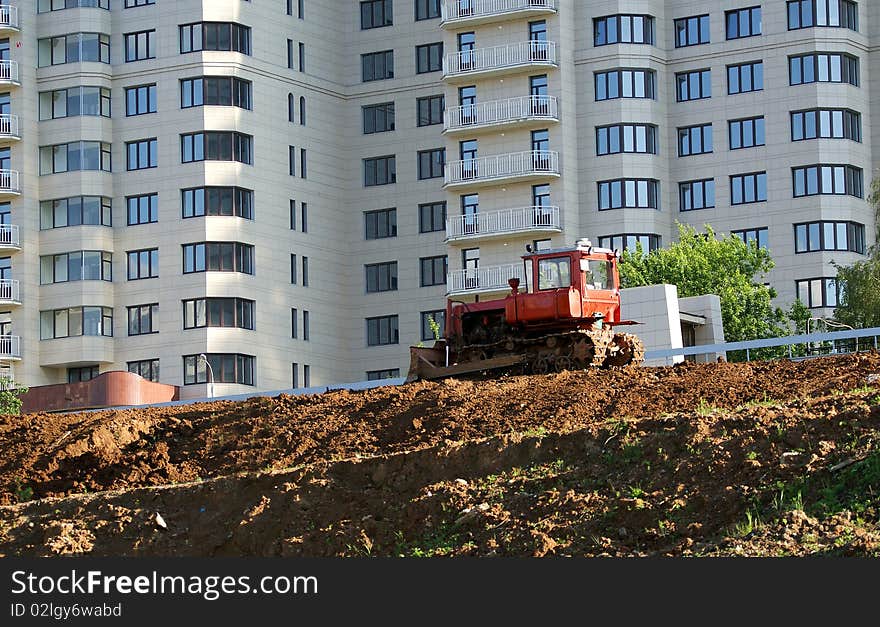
(10, 397)
(860, 302)
(701, 263)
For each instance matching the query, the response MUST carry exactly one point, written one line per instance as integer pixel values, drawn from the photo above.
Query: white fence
(453, 10)
(9, 125)
(9, 71)
(498, 57)
(482, 279)
(10, 291)
(9, 181)
(501, 111)
(504, 221)
(502, 166)
(8, 16)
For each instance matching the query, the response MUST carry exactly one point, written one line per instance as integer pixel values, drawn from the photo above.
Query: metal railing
(501, 111)
(503, 221)
(10, 347)
(454, 10)
(9, 124)
(9, 291)
(482, 279)
(9, 181)
(498, 57)
(8, 16)
(9, 236)
(502, 166)
(9, 71)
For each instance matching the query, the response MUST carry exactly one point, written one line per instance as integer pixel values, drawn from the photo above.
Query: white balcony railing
(511, 165)
(9, 236)
(455, 10)
(9, 182)
(8, 71)
(500, 57)
(483, 279)
(521, 219)
(10, 347)
(8, 16)
(9, 291)
(8, 125)
(505, 111)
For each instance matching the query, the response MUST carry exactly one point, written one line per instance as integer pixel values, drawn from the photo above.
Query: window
(694, 140)
(294, 322)
(224, 91)
(143, 319)
(432, 271)
(758, 235)
(809, 13)
(826, 123)
(147, 368)
(380, 171)
(304, 217)
(218, 312)
(136, 3)
(143, 209)
(74, 101)
(620, 193)
(305, 267)
(378, 375)
(303, 168)
(302, 62)
(143, 264)
(625, 84)
(432, 217)
(217, 201)
(746, 133)
(218, 257)
(140, 100)
(376, 66)
(626, 138)
(300, 8)
(829, 235)
(291, 160)
(75, 211)
(691, 31)
(290, 53)
(81, 374)
(81, 265)
(429, 318)
(745, 77)
(216, 146)
(623, 29)
(380, 223)
(429, 110)
(44, 6)
(73, 48)
(823, 67)
(431, 163)
(215, 36)
(748, 188)
(810, 180)
(693, 85)
(74, 156)
(375, 14)
(141, 154)
(224, 368)
(378, 118)
(821, 292)
(76, 321)
(382, 330)
(381, 277)
(305, 326)
(696, 195)
(139, 46)
(743, 22)
(427, 9)
(302, 110)
(429, 58)
(293, 269)
(630, 241)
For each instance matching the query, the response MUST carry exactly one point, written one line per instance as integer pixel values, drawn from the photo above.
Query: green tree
(10, 396)
(701, 263)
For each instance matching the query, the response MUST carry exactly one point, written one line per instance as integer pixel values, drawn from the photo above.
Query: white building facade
(282, 194)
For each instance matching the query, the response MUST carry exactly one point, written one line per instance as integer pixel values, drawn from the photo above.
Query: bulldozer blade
(430, 363)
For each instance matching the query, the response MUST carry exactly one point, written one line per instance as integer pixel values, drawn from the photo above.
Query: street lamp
(211, 372)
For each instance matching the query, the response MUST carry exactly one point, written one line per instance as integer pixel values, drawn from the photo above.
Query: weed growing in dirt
(445, 540)
(538, 432)
(783, 502)
(704, 408)
(751, 524)
(862, 389)
(752, 455)
(23, 492)
(855, 488)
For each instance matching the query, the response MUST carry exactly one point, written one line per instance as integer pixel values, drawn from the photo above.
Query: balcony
(459, 13)
(9, 183)
(510, 168)
(9, 238)
(477, 280)
(9, 73)
(9, 127)
(10, 347)
(498, 60)
(9, 293)
(502, 223)
(8, 18)
(522, 111)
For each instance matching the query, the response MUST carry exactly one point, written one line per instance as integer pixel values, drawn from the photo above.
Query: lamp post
(211, 372)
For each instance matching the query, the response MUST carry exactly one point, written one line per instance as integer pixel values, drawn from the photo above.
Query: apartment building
(272, 194)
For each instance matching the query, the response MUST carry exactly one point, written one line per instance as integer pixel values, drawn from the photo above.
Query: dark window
(691, 31)
(143, 264)
(625, 84)
(140, 100)
(76, 321)
(616, 194)
(141, 154)
(139, 46)
(431, 163)
(820, 292)
(142, 209)
(378, 118)
(811, 180)
(626, 138)
(302, 62)
(143, 319)
(223, 368)
(294, 322)
(382, 330)
(216, 146)
(746, 133)
(377, 66)
(743, 22)
(74, 101)
(380, 171)
(303, 167)
(381, 277)
(748, 188)
(293, 269)
(432, 217)
(432, 271)
(620, 29)
(693, 85)
(696, 195)
(694, 140)
(218, 257)
(826, 123)
(225, 91)
(823, 67)
(80, 265)
(376, 13)
(829, 235)
(305, 326)
(215, 36)
(429, 319)
(81, 374)
(130, 4)
(380, 223)
(147, 368)
(75, 211)
(427, 9)
(430, 110)
(631, 241)
(745, 77)
(217, 201)
(218, 312)
(73, 48)
(836, 13)
(75, 156)
(429, 58)
(758, 235)
(378, 375)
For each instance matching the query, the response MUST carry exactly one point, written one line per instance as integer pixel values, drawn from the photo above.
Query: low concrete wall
(109, 389)
(656, 307)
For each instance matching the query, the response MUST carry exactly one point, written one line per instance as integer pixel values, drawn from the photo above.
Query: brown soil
(713, 459)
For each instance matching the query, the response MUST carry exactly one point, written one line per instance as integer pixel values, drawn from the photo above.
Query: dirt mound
(53, 455)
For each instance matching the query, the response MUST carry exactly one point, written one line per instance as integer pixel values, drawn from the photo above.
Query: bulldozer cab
(578, 267)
